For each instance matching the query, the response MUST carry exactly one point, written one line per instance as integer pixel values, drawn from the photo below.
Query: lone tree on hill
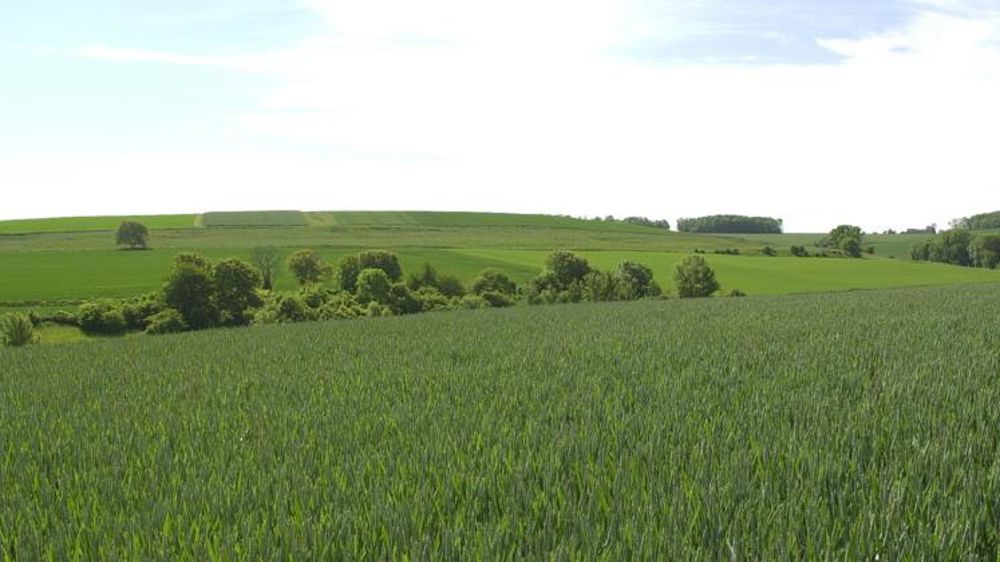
(694, 278)
(133, 234)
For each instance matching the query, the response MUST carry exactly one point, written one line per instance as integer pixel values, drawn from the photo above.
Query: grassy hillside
(896, 246)
(42, 267)
(843, 426)
(75, 275)
(254, 218)
(453, 219)
(83, 224)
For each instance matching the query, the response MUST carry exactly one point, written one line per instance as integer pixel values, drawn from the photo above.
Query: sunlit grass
(804, 427)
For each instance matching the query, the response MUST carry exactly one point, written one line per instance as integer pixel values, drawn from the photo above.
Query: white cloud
(457, 102)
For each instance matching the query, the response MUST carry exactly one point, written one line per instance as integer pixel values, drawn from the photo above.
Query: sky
(878, 113)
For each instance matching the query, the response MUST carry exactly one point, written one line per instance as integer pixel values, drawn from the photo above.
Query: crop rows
(819, 427)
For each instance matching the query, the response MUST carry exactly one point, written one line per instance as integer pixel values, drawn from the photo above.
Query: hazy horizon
(875, 114)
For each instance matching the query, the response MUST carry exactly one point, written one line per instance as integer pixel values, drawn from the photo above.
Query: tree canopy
(730, 224)
(982, 221)
(695, 278)
(133, 234)
(307, 267)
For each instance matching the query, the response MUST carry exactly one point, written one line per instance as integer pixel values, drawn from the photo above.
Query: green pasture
(77, 275)
(253, 218)
(343, 219)
(84, 224)
(58, 265)
(771, 276)
(522, 237)
(894, 246)
(851, 426)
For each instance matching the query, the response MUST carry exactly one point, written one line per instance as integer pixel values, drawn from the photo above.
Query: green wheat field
(840, 426)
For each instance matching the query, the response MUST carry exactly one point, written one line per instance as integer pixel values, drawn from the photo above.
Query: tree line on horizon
(730, 224)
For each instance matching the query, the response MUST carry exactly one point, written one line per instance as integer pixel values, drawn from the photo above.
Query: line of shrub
(200, 294)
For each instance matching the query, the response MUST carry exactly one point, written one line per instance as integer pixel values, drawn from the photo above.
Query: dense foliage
(694, 278)
(982, 221)
(568, 277)
(133, 234)
(960, 247)
(846, 238)
(825, 427)
(641, 221)
(307, 267)
(16, 330)
(730, 224)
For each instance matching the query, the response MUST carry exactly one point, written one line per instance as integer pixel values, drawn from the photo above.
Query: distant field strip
(254, 218)
(771, 276)
(886, 245)
(449, 219)
(83, 224)
(856, 426)
(54, 275)
(389, 237)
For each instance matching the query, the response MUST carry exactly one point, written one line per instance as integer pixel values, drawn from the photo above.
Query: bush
(373, 286)
(283, 309)
(492, 280)
(472, 302)
(599, 286)
(381, 259)
(737, 293)
(137, 311)
(348, 269)
(235, 291)
(103, 317)
(431, 299)
(450, 286)
(402, 300)
(307, 267)
(769, 251)
(566, 268)
(60, 317)
(340, 305)
(447, 285)
(635, 281)
(190, 290)
(799, 251)
(376, 310)
(17, 330)
(695, 278)
(497, 300)
(167, 321)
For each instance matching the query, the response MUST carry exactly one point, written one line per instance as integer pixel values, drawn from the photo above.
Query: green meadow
(893, 246)
(45, 262)
(83, 224)
(39, 277)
